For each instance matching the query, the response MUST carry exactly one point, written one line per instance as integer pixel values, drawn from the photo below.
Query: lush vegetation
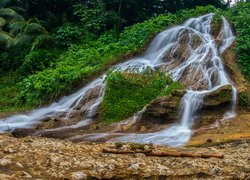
(240, 17)
(48, 48)
(128, 93)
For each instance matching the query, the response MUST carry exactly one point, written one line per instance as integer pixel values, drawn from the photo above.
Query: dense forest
(50, 48)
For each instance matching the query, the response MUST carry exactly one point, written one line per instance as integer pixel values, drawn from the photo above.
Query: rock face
(218, 97)
(181, 52)
(232, 67)
(164, 109)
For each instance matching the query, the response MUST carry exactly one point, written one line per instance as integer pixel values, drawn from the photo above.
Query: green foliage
(8, 93)
(38, 60)
(2, 22)
(133, 11)
(68, 34)
(128, 93)
(244, 99)
(240, 17)
(10, 14)
(17, 37)
(4, 37)
(12, 58)
(94, 16)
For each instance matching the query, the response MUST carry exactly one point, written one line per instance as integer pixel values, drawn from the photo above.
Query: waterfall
(203, 61)
(188, 52)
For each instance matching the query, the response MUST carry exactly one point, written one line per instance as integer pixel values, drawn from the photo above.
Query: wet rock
(164, 109)
(23, 132)
(176, 55)
(218, 97)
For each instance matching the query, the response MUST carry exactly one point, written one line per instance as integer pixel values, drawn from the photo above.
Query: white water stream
(201, 68)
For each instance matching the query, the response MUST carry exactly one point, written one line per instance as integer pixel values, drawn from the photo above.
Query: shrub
(68, 34)
(38, 60)
(128, 93)
(239, 16)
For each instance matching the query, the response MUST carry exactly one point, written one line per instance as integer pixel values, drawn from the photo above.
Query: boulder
(22, 132)
(164, 109)
(218, 97)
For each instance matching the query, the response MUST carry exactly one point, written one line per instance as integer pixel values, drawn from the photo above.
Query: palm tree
(15, 31)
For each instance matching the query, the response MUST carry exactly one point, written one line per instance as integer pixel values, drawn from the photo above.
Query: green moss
(128, 93)
(137, 146)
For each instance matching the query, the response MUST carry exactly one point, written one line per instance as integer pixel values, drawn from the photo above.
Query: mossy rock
(218, 97)
(164, 108)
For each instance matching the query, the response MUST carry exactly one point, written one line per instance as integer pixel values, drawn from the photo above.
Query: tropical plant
(16, 34)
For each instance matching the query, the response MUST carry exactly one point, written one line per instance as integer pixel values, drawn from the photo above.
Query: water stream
(188, 52)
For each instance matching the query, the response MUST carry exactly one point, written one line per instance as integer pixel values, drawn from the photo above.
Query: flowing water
(188, 52)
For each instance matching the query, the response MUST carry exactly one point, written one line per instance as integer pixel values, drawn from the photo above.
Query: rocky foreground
(44, 158)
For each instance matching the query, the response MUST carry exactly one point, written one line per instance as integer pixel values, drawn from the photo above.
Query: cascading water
(187, 52)
(65, 105)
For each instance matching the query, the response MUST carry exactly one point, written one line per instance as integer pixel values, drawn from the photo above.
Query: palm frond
(10, 14)
(4, 37)
(33, 20)
(41, 40)
(35, 28)
(2, 22)
(17, 26)
(20, 40)
(19, 10)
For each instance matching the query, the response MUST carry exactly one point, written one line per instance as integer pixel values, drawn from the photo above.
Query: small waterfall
(66, 104)
(191, 102)
(188, 52)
